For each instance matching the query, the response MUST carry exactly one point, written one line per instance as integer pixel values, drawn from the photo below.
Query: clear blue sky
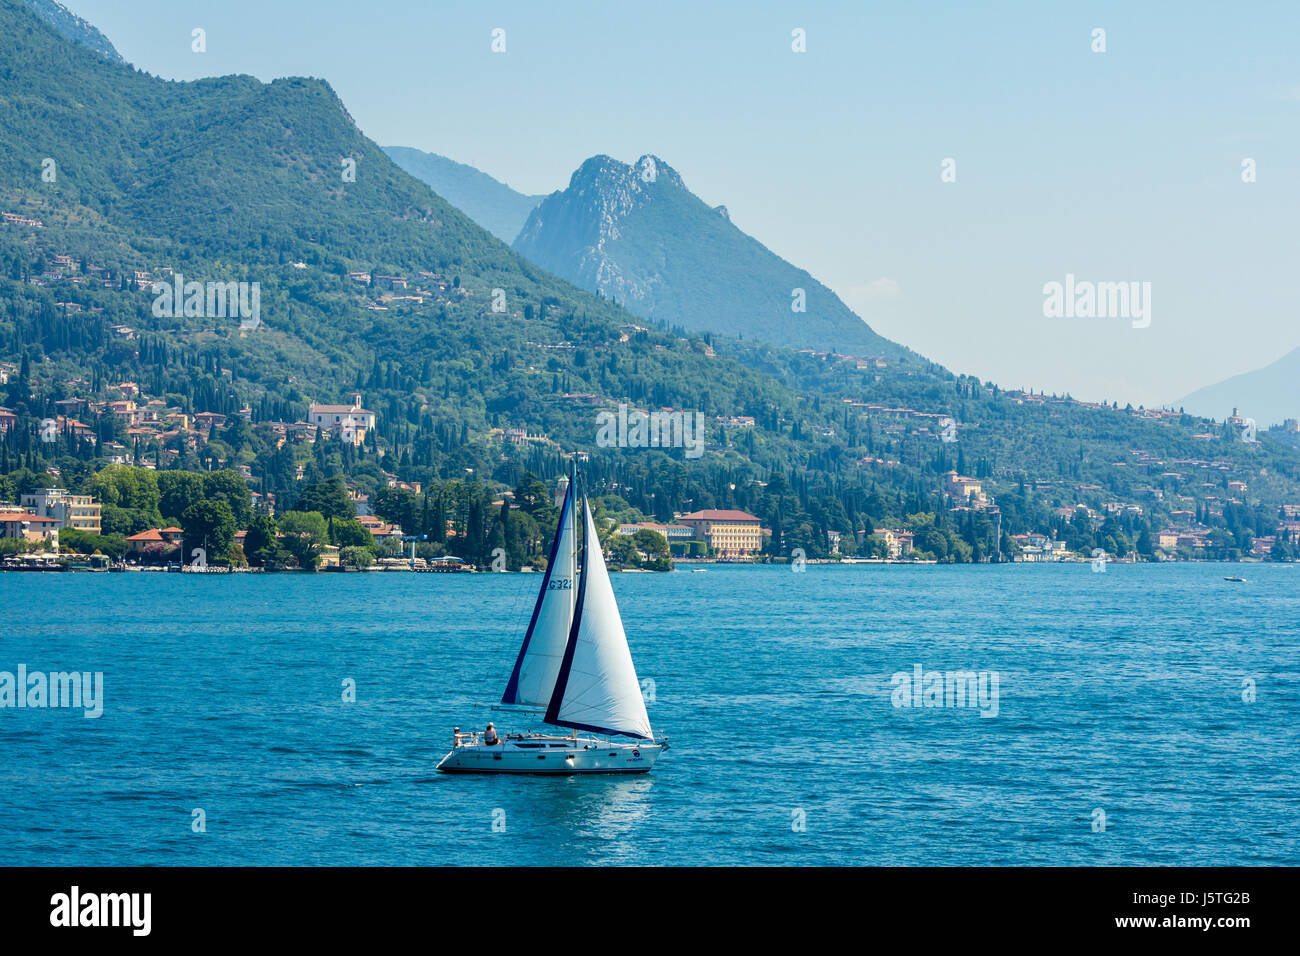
(1123, 165)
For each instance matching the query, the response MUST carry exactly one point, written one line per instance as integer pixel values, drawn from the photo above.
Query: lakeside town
(333, 526)
(1190, 508)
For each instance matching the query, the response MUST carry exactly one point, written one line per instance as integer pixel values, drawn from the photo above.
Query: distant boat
(1237, 579)
(574, 671)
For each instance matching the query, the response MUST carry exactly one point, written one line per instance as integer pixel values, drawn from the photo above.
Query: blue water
(1119, 691)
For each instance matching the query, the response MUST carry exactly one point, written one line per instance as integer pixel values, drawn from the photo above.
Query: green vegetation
(230, 179)
(137, 499)
(646, 549)
(82, 542)
(305, 535)
(359, 558)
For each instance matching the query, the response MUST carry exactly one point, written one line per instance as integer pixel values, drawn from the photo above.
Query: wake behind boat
(574, 671)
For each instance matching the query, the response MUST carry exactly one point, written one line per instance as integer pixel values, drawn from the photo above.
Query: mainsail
(542, 652)
(597, 688)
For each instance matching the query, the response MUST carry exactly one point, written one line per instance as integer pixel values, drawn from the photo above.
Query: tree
(130, 489)
(228, 485)
(622, 551)
(1145, 546)
(178, 490)
(351, 533)
(354, 557)
(655, 548)
(210, 525)
(305, 536)
(437, 527)
(533, 498)
(329, 497)
(261, 546)
(933, 541)
(396, 506)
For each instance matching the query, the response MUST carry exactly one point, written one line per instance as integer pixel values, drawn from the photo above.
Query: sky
(1122, 165)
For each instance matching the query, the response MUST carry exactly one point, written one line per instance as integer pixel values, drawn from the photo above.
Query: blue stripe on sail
(566, 663)
(511, 696)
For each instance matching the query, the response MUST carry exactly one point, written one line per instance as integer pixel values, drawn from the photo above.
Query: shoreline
(61, 567)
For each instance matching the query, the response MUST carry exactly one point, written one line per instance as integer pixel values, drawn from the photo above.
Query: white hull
(538, 753)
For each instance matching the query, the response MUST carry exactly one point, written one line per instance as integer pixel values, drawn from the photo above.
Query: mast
(572, 566)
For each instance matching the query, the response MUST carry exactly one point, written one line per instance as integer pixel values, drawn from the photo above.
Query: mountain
(368, 282)
(637, 235)
(490, 203)
(480, 365)
(1269, 395)
(74, 28)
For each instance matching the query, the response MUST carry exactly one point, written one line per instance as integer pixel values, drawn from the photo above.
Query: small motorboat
(1237, 579)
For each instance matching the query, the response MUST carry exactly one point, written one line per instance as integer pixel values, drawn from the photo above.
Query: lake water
(1119, 692)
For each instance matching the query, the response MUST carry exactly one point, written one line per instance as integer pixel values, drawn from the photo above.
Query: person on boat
(490, 735)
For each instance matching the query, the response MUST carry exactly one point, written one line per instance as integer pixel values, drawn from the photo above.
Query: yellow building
(71, 511)
(729, 534)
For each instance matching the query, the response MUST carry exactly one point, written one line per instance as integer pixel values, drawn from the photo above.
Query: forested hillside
(112, 180)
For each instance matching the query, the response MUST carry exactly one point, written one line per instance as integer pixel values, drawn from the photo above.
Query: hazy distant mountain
(71, 26)
(1269, 395)
(636, 234)
(490, 203)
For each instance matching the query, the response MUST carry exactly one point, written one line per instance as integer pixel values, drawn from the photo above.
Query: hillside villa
(347, 423)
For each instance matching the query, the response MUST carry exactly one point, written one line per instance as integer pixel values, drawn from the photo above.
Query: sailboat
(574, 671)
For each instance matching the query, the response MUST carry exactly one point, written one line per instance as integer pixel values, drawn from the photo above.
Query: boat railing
(475, 738)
